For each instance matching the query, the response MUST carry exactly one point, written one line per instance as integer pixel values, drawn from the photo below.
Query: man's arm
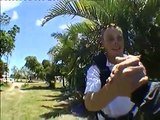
(119, 84)
(96, 97)
(95, 101)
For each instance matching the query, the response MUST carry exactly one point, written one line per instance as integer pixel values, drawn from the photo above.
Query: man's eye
(111, 39)
(119, 38)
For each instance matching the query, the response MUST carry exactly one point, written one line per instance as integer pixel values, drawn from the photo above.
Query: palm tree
(75, 50)
(139, 20)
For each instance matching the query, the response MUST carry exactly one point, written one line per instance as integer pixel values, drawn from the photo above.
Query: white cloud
(63, 26)
(14, 16)
(8, 5)
(39, 22)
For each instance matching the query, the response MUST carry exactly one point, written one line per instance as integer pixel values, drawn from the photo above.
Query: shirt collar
(109, 63)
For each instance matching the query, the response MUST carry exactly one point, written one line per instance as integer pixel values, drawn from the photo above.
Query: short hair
(111, 25)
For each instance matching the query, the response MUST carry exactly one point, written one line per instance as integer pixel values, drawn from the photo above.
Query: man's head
(112, 41)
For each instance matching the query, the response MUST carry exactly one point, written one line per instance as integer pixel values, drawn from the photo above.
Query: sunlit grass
(33, 104)
(5, 86)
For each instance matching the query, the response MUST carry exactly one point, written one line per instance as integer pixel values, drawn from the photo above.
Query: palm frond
(83, 27)
(150, 7)
(56, 35)
(88, 9)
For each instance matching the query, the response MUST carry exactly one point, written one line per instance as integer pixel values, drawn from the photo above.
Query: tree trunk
(63, 81)
(53, 84)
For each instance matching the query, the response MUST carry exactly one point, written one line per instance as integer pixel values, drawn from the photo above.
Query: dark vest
(100, 60)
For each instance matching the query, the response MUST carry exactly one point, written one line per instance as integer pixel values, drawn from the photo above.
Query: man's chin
(117, 53)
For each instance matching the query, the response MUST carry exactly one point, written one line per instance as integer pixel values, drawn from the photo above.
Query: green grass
(34, 102)
(5, 86)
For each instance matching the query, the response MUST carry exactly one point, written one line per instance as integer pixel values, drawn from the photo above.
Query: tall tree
(46, 63)
(16, 73)
(26, 73)
(37, 68)
(139, 20)
(31, 63)
(7, 39)
(3, 68)
(74, 51)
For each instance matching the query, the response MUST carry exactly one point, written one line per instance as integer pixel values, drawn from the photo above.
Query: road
(15, 85)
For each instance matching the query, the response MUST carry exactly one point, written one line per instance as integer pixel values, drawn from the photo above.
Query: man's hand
(128, 75)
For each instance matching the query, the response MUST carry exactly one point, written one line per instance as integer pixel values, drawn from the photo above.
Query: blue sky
(33, 40)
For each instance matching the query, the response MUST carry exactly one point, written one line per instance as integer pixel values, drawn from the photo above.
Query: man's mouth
(115, 49)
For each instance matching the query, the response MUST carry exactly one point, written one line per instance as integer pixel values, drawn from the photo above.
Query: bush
(24, 86)
(4, 86)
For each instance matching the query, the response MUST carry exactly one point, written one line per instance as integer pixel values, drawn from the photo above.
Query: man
(127, 75)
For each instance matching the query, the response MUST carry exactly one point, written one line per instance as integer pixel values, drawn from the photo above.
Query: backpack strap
(100, 60)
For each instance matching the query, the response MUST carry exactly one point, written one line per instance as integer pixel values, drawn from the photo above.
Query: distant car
(9, 80)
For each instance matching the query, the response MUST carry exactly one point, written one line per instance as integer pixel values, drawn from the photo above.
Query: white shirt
(119, 106)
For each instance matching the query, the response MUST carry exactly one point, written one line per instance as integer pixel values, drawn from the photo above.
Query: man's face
(113, 42)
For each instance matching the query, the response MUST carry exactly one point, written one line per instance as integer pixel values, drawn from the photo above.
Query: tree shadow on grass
(56, 111)
(47, 107)
(60, 97)
(63, 106)
(50, 97)
(36, 87)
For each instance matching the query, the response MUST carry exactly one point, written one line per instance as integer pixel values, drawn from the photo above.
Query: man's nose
(115, 41)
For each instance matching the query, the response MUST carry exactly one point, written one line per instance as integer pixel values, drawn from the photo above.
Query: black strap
(100, 60)
(138, 95)
(103, 114)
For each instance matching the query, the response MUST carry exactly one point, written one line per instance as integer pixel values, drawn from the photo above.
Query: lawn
(35, 102)
(4, 86)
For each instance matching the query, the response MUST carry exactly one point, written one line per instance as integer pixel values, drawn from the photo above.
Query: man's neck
(112, 60)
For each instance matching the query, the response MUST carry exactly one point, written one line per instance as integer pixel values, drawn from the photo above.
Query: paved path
(15, 85)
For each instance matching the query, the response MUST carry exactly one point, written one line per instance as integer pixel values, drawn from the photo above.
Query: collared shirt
(119, 106)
